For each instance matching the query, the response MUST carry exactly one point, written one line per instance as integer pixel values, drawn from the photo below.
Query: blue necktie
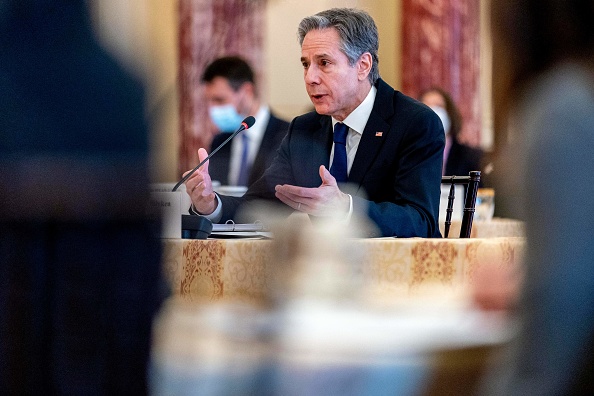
(339, 163)
(244, 169)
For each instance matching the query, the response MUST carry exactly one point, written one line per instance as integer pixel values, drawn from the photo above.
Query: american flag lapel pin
(379, 134)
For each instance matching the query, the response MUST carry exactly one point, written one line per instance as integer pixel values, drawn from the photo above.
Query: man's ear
(364, 65)
(248, 88)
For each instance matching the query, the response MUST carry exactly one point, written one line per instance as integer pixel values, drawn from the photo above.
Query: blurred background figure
(458, 158)
(80, 275)
(232, 94)
(544, 107)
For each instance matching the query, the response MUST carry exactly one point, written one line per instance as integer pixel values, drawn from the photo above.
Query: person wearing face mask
(232, 95)
(458, 158)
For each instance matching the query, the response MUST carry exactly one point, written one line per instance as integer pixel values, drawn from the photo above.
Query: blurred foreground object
(326, 313)
(80, 275)
(485, 204)
(544, 104)
(496, 286)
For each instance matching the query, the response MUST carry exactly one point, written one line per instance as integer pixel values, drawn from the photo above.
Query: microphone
(247, 123)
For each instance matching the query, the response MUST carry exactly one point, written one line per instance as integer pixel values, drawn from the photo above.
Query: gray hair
(357, 32)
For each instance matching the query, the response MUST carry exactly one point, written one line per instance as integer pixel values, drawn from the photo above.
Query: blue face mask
(225, 117)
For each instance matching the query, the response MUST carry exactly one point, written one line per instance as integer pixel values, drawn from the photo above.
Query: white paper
(169, 203)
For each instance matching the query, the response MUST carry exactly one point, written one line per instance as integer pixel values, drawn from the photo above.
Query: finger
(295, 191)
(192, 181)
(286, 193)
(326, 176)
(196, 186)
(202, 154)
(286, 200)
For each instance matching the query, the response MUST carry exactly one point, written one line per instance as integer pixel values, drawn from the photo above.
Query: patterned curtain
(209, 29)
(441, 41)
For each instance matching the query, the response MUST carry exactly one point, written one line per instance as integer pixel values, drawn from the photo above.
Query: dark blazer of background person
(462, 159)
(80, 274)
(276, 129)
(543, 96)
(396, 172)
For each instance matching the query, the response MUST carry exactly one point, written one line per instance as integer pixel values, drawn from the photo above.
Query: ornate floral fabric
(441, 46)
(211, 270)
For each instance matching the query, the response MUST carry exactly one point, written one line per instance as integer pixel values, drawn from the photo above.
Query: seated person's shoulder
(404, 104)
(306, 120)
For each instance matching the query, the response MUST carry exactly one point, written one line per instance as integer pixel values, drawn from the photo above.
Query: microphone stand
(247, 123)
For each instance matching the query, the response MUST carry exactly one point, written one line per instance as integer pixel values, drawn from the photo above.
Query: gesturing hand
(199, 187)
(325, 200)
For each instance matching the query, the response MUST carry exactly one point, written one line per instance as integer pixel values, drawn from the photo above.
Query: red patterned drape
(441, 41)
(209, 29)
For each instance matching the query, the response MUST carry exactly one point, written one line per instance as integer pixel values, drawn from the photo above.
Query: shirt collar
(256, 132)
(359, 117)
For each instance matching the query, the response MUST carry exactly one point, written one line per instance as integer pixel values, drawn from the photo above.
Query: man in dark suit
(232, 94)
(392, 153)
(462, 159)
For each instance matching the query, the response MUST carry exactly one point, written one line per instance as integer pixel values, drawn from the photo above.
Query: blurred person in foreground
(394, 144)
(544, 92)
(232, 94)
(458, 158)
(79, 259)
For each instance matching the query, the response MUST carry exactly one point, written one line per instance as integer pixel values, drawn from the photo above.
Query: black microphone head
(248, 122)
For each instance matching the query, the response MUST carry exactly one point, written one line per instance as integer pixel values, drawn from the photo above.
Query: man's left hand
(325, 200)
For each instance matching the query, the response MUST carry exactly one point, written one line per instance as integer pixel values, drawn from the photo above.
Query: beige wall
(486, 74)
(285, 90)
(142, 34)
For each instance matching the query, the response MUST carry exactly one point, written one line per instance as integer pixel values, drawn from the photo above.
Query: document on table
(240, 230)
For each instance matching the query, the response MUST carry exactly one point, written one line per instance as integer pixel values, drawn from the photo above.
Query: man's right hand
(199, 187)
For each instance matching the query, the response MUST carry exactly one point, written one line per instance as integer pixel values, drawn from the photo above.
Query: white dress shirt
(356, 122)
(254, 135)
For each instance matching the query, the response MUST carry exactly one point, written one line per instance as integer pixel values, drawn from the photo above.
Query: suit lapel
(375, 133)
(318, 149)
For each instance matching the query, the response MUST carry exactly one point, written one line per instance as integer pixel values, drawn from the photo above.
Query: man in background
(231, 93)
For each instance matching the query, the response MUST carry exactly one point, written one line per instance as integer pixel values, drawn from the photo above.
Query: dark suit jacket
(462, 159)
(396, 173)
(274, 133)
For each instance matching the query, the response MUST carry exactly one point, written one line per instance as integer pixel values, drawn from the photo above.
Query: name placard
(169, 203)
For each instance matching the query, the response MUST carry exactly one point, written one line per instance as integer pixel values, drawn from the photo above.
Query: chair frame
(472, 181)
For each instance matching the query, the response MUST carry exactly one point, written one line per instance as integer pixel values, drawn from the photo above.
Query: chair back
(471, 181)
